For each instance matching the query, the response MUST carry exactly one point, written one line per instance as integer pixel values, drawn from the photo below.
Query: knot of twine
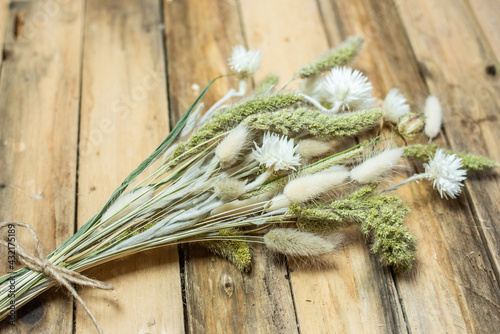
(61, 276)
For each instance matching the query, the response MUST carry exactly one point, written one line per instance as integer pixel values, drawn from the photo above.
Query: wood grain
(117, 49)
(39, 99)
(445, 290)
(199, 37)
(124, 117)
(288, 33)
(219, 299)
(4, 11)
(454, 71)
(386, 58)
(357, 294)
(487, 16)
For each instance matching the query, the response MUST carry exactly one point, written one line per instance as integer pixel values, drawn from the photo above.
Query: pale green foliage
(228, 119)
(314, 122)
(470, 162)
(380, 217)
(338, 56)
(270, 81)
(238, 252)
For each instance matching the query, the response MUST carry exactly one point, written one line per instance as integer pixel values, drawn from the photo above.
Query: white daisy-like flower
(277, 152)
(348, 89)
(445, 170)
(395, 106)
(245, 62)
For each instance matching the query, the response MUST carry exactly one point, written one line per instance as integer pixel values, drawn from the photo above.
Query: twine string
(61, 276)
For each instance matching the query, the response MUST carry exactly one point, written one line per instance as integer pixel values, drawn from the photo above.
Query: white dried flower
(277, 152)
(245, 62)
(433, 117)
(348, 89)
(297, 243)
(377, 167)
(395, 106)
(445, 170)
(229, 149)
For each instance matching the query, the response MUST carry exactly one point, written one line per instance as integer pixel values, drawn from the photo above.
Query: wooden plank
(39, 101)
(288, 34)
(357, 295)
(219, 298)
(473, 97)
(437, 286)
(453, 285)
(386, 65)
(124, 117)
(487, 14)
(4, 10)
(198, 45)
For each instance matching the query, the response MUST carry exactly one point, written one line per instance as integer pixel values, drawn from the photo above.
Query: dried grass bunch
(264, 170)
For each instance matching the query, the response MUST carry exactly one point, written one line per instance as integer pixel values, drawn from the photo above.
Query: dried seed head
(433, 117)
(229, 189)
(296, 243)
(308, 187)
(338, 56)
(310, 148)
(279, 202)
(377, 167)
(411, 126)
(229, 149)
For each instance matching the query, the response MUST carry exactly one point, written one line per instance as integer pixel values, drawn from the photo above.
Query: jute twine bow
(62, 276)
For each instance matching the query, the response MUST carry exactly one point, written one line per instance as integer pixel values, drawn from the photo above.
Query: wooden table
(89, 88)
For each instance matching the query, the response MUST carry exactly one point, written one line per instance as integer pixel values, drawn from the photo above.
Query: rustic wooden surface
(88, 88)
(124, 93)
(4, 12)
(39, 106)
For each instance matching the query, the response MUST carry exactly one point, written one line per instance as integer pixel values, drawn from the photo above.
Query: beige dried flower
(376, 168)
(297, 243)
(310, 148)
(433, 117)
(229, 150)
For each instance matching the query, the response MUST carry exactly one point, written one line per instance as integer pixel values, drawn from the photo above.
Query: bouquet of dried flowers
(267, 169)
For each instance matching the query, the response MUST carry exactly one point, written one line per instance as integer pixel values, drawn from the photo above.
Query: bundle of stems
(264, 170)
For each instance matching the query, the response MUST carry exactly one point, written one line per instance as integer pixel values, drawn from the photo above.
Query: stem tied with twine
(60, 275)
(65, 277)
